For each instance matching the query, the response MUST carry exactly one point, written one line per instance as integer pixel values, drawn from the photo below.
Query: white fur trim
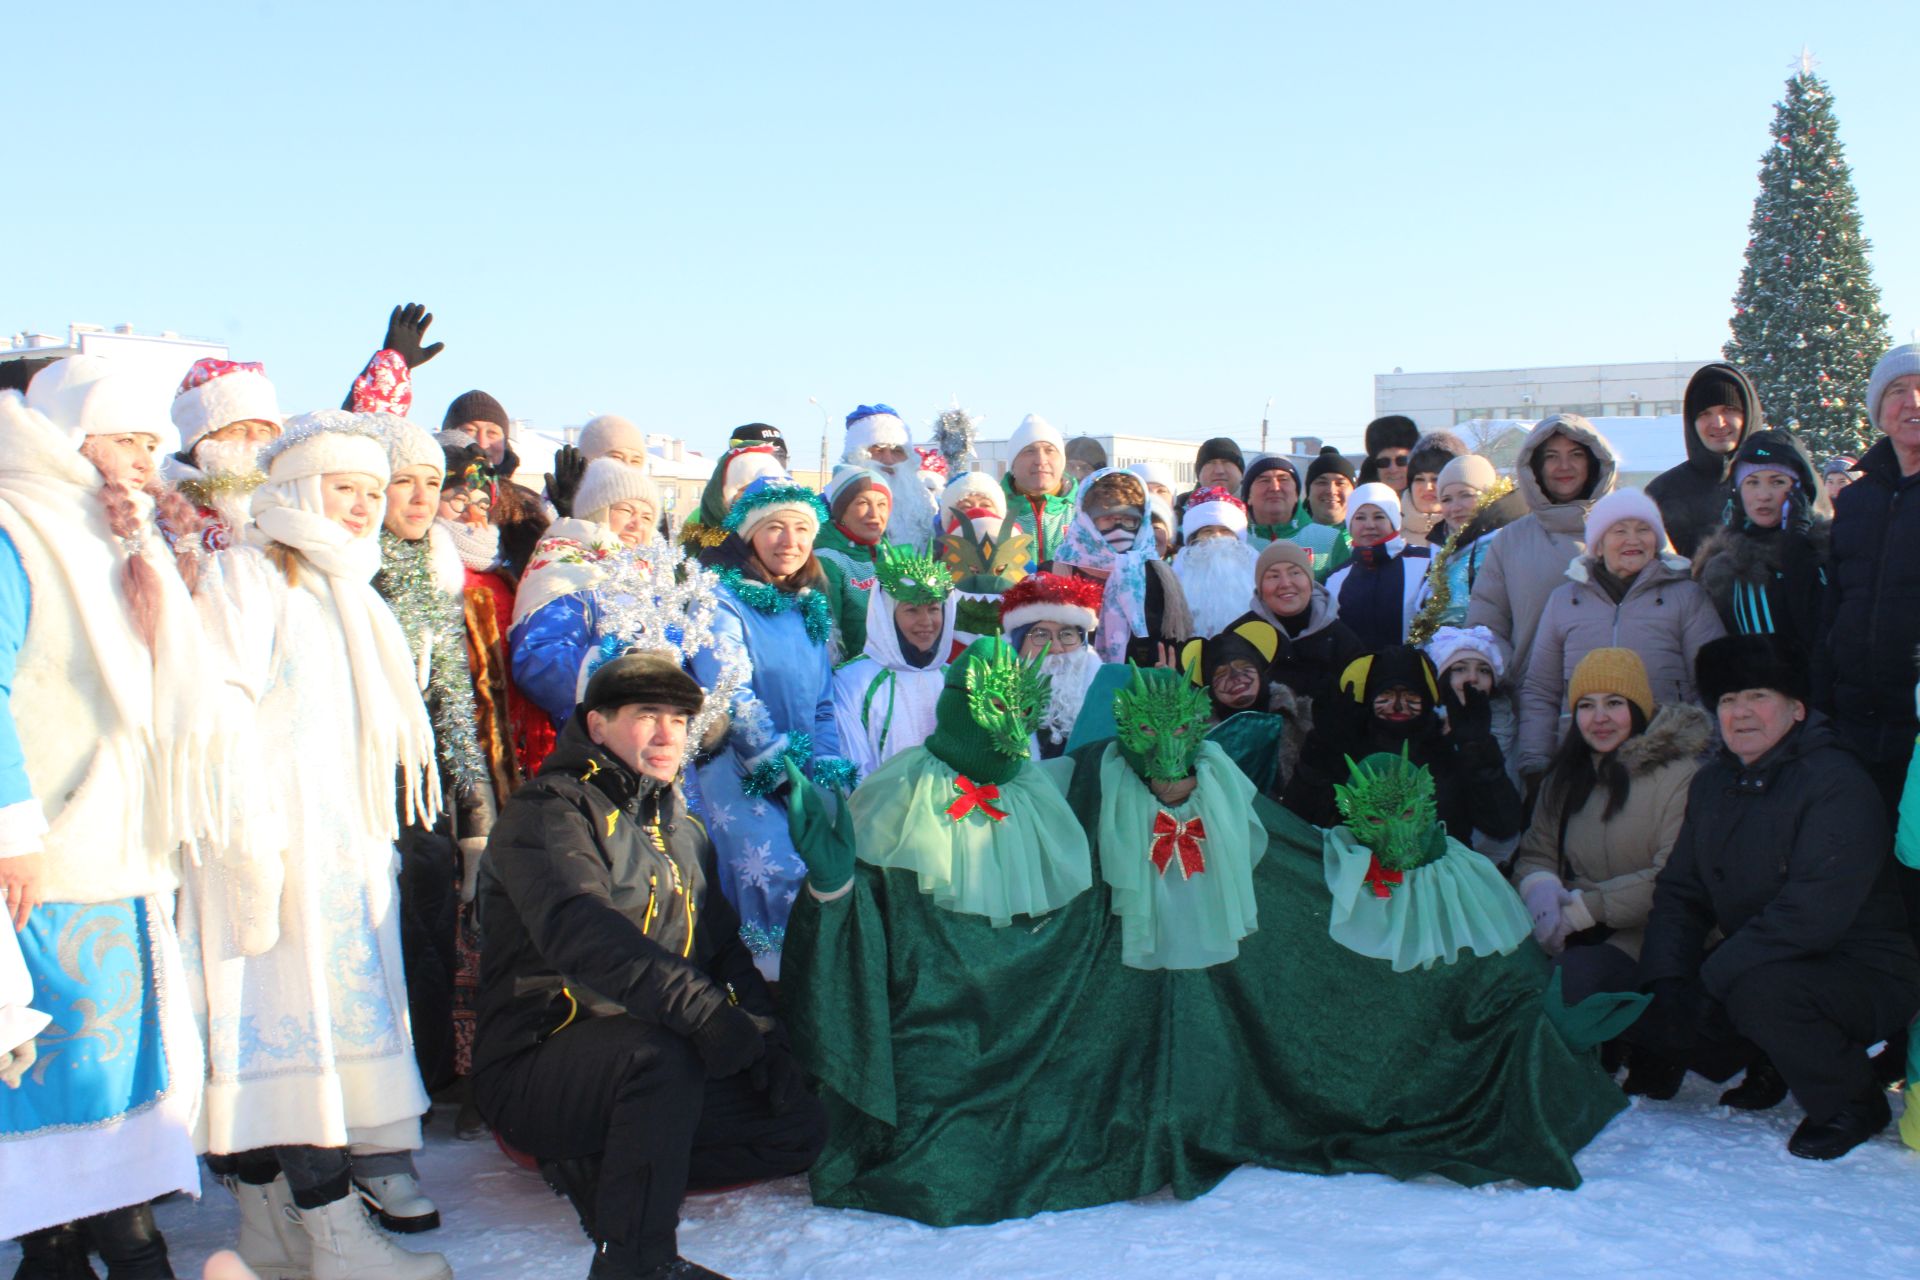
(744, 469)
(1202, 514)
(1622, 504)
(1041, 611)
(1034, 429)
(874, 429)
(973, 484)
(448, 571)
(239, 396)
(331, 453)
(22, 824)
(85, 396)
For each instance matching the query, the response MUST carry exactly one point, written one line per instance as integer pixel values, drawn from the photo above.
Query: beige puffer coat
(1612, 864)
(1529, 559)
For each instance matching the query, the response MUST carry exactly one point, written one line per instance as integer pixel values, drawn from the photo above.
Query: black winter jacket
(598, 898)
(1692, 497)
(1789, 858)
(1471, 789)
(1873, 609)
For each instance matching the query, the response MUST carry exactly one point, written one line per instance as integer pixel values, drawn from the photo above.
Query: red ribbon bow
(1171, 835)
(974, 796)
(1380, 879)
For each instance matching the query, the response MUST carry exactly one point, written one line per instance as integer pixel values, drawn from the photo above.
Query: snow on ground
(1685, 1187)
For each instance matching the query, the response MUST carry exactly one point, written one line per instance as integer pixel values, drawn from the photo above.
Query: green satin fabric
(1252, 739)
(1458, 902)
(973, 1074)
(1032, 861)
(1169, 920)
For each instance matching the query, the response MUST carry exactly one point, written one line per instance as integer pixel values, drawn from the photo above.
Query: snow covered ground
(1679, 1188)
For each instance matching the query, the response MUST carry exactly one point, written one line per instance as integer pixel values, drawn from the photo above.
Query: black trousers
(429, 921)
(1815, 1018)
(638, 1097)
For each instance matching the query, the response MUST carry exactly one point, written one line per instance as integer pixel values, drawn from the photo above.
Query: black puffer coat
(1692, 497)
(1873, 609)
(598, 897)
(1790, 857)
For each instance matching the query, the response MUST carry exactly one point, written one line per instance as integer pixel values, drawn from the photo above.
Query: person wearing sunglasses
(1390, 443)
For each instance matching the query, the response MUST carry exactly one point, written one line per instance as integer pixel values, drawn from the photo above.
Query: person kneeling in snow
(626, 1040)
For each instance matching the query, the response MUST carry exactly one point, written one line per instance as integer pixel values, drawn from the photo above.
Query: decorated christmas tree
(1807, 324)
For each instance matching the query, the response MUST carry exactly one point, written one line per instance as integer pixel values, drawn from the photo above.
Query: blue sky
(1126, 217)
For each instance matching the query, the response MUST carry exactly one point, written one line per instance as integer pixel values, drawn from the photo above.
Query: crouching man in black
(1785, 849)
(626, 1040)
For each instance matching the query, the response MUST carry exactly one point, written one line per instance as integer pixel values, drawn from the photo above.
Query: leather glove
(731, 1040)
(569, 469)
(406, 329)
(1469, 715)
(780, 1076)
(1541, 893)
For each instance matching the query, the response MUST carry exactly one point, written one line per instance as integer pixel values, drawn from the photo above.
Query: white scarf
(478, 545)
(158, 695)
(569, 560)
(392, 715)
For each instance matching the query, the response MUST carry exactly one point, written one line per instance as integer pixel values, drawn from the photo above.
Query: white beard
(915, 510)
(1070, 674)
(1216, 577)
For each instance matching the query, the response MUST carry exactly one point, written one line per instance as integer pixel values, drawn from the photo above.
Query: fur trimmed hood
(1676, 567)
(1732, 556)
(1679, 731)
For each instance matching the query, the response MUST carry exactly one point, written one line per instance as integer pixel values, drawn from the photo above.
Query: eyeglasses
(1058, 639)
(1395, 460)
(459, 502)
(1118, 520)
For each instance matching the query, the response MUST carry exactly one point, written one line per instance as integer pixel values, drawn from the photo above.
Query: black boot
(57, 1253)
(1890, 1064)
(1652, 1075)
(612, 1262)
(579, 1181)
(1759, 1090)
(1850, 1126)
(130, 1244)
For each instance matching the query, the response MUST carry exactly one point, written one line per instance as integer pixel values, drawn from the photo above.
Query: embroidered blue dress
(784, 709)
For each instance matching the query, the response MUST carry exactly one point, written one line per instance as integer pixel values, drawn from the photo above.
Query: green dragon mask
(1160, 720)
(1388, 804)
(1005, 696)
(909, 576)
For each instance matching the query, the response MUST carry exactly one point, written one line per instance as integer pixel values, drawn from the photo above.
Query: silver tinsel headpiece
(953, 435)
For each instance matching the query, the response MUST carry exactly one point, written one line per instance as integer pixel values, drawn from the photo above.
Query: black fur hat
(1733, 663)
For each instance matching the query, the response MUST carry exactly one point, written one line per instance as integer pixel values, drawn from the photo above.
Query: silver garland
(407, 583)
(953, 434)
(659, 598)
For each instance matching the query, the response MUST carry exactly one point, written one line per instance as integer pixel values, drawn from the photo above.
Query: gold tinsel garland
(1439, 584)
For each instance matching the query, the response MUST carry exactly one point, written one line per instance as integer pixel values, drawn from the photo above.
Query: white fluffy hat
(1622, 504)
(329, 442)
(84, 396)
(1034, 429)
(608, 432)
(219, 393)
(1214, 506)
(608, 481)
(410, 444)
(871, 425)
(1375, 494)
(1450, 644)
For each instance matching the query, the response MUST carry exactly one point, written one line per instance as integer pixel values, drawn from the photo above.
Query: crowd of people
(350, 765)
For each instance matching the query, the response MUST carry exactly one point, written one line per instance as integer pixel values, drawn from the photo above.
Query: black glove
(780, 1076)
(1668, 1024)
(1469, 713)
(406, 327)
(569, 469)
(731, 1040)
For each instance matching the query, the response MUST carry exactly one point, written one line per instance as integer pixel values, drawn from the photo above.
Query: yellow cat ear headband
(1353, 681)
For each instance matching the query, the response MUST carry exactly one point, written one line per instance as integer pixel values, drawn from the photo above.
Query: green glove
(824, 843)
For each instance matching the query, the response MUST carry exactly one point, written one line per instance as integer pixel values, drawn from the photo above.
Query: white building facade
(1435, 400)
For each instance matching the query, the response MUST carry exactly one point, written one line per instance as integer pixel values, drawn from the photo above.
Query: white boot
(396, 1199)
(347, 1246)
(272, 1241)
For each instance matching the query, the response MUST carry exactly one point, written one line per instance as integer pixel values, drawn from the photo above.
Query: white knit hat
(1622, 504)
(608, 432)
(1468, 469)
(329, 442)
(1153, 473)
(1034, 429)
(1214, 506)
(219, 393)
(878, 426)
(1450, 644)
(608, 481)
(744, 468)
(1378, 495)
(85, 396)
(973, 484)
(409, 444)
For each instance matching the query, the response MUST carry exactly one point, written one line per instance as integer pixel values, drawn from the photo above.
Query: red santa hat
(219, 393)
(931, 460)
(1210, 506)
(1050, 597)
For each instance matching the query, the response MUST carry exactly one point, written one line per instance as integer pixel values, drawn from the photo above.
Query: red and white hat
(1210, 506)
(219, 393)
(1050, 597)
(932, 461)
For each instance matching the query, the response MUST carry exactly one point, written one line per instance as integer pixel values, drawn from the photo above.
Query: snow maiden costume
(108, 758)
(883, 700)
(308, 1043)
(784, 712)
(219, 476)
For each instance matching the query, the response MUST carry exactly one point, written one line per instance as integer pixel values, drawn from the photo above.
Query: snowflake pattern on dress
(759, 808)
(720, 817)
(756, 864)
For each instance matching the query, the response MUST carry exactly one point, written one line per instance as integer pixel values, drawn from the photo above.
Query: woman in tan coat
(1610, 809)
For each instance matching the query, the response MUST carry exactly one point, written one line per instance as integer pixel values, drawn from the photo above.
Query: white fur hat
(1622, 504)
(1450, 644)
(746, 466)
(608, 481)
(608, 432)
(973, 484)
(871, 425)
(1375, 494)
(1034, 429)
(85, 396)
(219, 393)
(329, 442)
(1214, 506)
(409, 444)
(1153, 473)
